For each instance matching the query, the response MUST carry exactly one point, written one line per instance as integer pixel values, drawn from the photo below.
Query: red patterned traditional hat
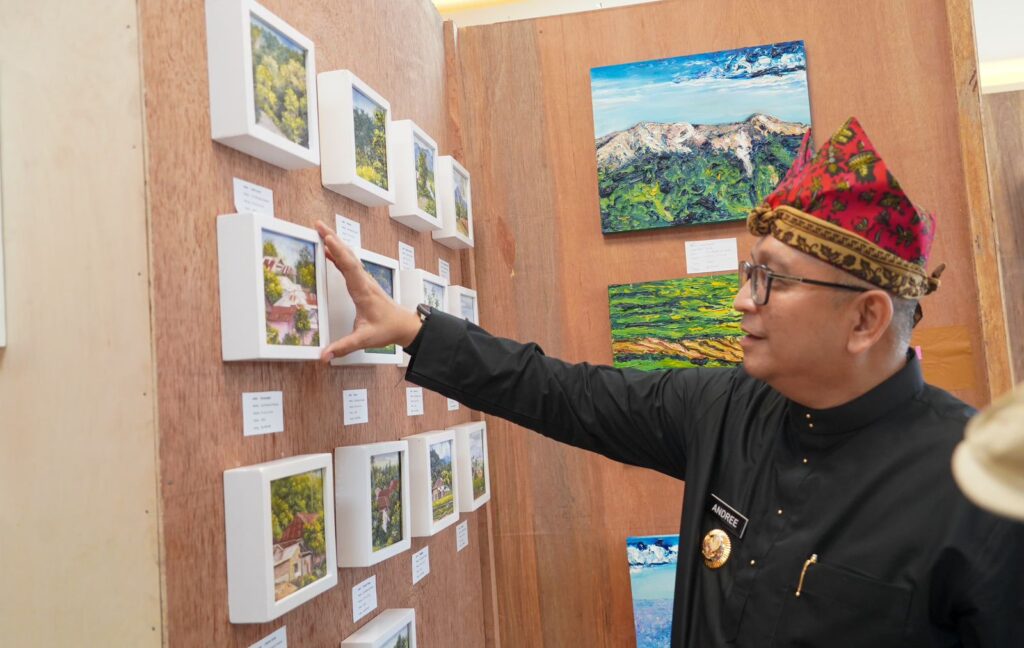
(842, 205)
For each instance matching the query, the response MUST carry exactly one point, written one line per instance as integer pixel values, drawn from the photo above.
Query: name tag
(730, 517)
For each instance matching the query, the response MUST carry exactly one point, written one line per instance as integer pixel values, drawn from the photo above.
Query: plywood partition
(561, 516)
(396, 46)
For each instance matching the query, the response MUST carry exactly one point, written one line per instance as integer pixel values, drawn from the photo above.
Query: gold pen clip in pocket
(803, 572)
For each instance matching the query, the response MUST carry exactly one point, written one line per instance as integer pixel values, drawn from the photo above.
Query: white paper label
(452, 404)
(420, 564)
(414, 401)
(262, 413)
(356, 408)
(276, 639)
(406, 257)
(349, 231)
(716, 255)
(444, 270)
(461, 535)
(253, 199)
(364, 598)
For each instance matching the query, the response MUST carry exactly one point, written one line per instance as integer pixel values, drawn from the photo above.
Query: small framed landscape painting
(355, 131)
(262, 75)
(394, 628)
(414, 160)
(372, 496)
(279, 522)
(456, 204)
(462, 302)
(432, 476)
(342, 310)
(422, 287)
(473, 465)
(272, 286)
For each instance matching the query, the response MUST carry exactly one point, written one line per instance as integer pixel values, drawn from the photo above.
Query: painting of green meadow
(279, 82)
(676, 323)
(371, 139)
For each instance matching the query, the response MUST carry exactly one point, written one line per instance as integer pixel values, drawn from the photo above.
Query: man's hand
(379, 320)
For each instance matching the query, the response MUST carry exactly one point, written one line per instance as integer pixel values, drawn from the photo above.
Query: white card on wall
(349, 231)
(356, 407)
(414, 401)
(452, 404)
(253, 199)
(716, 255)
(406, 257)
(364, 598)
(444, 270)
(262, 413)
(420, 564)
(462, 535)
(276, 639)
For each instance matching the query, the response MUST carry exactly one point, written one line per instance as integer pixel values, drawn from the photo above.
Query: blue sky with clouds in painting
(713, 88)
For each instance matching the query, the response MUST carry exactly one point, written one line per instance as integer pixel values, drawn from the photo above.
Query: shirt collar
(865, 409)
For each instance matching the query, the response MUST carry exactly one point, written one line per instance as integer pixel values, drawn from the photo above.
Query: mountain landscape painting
(696, 139)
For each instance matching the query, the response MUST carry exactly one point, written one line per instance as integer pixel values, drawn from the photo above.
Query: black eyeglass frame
(746, 270)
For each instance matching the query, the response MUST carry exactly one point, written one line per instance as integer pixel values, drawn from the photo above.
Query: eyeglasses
(760, 278)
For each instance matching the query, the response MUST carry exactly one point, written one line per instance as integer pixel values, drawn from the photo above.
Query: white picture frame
(463, 302)
(471, 447)
(383, 630)
(249, 320)
(366, 508)
(342, 310)
(454, 191)
(409, 145)
(340, 93)
(431, 494)
(422, 287)
(259, 122)
(265, 572)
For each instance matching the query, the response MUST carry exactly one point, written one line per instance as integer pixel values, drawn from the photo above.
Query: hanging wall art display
(395, 628)
(696, 139)
(422, 287)
(676, 323)
(272, 286)
(473, 465)
(462, 302)
(372, 498)
(262, 74)
(432, 476)
(652, 576)
(279, 522)
(355, 128)
(413, 157)
(342, 310)
(456, 204)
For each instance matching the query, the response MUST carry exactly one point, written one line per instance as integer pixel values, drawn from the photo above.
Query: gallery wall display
(395, 628)
(462, 301)
(473, 465)
(696, 139)
(413, 158)
(372, 499)
(355, 130)
(279, 522)
(676, 323)
(272, 286)
(262, 75)
(455, 203)
(342, 310)
(433, 496)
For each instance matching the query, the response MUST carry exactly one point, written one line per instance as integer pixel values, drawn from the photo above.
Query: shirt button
(805, 459)
(753, 562)
(779, 511)
(810, 426)
(808, 417)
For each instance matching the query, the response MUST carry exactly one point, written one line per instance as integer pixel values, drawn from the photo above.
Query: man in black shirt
(819, 508)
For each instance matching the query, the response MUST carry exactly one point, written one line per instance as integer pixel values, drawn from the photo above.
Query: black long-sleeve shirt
(903, 559)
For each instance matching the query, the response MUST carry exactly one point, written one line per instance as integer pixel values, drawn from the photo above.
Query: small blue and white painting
(652, 578)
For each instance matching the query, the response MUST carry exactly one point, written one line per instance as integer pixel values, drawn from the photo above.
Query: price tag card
(349, 231)
(406, 257)
(356, 408)
(253, 199)
(277, 639)
(452, 404)
(444, 270)
(414, 401)
(461, 535)
(262, 413)
(364, 598)
(717, 255)
(420, 564)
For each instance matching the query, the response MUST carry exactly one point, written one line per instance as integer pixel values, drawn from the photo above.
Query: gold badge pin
(716, 548)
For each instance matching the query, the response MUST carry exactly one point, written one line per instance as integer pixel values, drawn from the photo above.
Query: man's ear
(872, 314)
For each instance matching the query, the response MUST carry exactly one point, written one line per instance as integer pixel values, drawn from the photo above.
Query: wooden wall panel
(561, 516)
(1004, 141)
(397, 47)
